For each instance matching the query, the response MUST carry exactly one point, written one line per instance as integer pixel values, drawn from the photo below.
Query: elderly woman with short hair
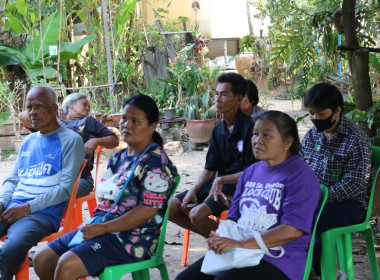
(76, 108)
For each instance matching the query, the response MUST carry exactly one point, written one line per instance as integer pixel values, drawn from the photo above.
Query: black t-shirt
(87, 128)
(231, 153)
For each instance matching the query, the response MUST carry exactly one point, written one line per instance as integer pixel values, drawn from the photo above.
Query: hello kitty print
(151, 185)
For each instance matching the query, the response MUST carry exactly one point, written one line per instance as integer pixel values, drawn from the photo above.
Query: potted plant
(170, 112)
(14, 100)
(200, 118)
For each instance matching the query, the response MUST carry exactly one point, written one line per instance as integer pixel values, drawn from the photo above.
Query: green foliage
(188, 84)
(368, 120)
(14, 101)
(8, 153)
(297, 25)
(200, 108)
(248, 43)
(4, 115)
(30, 57)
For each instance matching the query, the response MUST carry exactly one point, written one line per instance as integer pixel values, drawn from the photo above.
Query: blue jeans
(21, 237)
(85, 186)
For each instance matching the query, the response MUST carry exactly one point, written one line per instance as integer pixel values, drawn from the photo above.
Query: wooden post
(188, 36)
(59, 39)
(225, 53)
(42, 43)
(168, 42)
(108, 53)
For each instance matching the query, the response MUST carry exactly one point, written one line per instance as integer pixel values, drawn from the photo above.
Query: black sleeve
(97, 129)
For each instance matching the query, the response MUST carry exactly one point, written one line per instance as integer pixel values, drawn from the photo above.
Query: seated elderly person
(34, 195)
(128, 232)
(339, 152)
(76, 108)
(277, 197)
(74, 115)
(249, 103)
(229, 153)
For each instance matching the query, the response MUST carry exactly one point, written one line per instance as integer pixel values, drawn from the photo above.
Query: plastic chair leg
(23, 272)
(77, 217)
(185, 246)
(348, 263)
(368, 235)
(342, 252)
(141, 274)
(163, 271)
(328, 268)
(91, 206)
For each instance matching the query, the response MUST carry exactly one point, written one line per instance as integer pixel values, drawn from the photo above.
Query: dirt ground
(190, 164)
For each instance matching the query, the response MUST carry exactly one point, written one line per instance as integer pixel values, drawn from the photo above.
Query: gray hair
(71, 99)
(49, 90)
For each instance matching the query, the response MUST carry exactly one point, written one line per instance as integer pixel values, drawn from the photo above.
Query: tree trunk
(249, 19)
(358, 60)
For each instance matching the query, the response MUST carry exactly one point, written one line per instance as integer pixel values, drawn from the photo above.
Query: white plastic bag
(236, 257)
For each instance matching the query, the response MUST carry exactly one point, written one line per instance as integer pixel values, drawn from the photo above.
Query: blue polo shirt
(231, 153)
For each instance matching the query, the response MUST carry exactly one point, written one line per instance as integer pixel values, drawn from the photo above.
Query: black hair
(252, 92)
(146, 104)
(286, 125)
(324, 96)
(238, 83)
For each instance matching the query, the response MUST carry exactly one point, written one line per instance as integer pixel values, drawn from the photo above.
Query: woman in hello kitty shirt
(129, 232)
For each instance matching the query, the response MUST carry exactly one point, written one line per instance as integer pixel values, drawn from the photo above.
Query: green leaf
(50, 32)
(206, 98)
(15, 24)
(71, 50)
(13, 55)
(22, 8)
(50, 72)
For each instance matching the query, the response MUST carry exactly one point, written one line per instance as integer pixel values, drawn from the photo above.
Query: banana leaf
(50, 32)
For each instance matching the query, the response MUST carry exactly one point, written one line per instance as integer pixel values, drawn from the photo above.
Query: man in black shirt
(229, 153)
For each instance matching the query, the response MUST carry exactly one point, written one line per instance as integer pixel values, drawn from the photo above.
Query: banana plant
(29, 58)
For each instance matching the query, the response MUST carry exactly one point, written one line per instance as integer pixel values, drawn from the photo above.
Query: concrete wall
(216, 18)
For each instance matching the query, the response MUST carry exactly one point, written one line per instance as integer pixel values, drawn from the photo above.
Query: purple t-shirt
(268, 196)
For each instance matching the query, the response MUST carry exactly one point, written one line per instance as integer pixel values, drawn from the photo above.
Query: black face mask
(322, 125)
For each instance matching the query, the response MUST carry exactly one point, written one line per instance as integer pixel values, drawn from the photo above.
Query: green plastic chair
(309, 260)
(140, 270)
(337, 241)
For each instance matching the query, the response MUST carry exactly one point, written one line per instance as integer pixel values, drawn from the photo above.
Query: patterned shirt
(151, 185)
(342, 163)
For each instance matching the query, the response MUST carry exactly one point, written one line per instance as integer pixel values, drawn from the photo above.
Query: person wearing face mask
(339, 153)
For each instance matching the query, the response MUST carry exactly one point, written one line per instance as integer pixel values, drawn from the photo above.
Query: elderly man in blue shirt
(35, 193)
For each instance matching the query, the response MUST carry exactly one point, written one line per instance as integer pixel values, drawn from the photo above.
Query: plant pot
(18, 143)
(116, 118)
(200, 130)
(170, 113)
(243, 63)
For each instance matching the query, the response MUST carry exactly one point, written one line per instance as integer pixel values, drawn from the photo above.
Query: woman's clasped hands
(220, 245)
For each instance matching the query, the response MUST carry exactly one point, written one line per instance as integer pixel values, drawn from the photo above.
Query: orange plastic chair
(186, 237)
(67, 222)
(90, 198)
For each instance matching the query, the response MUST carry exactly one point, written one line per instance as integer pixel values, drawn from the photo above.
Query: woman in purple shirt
(276, 196)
